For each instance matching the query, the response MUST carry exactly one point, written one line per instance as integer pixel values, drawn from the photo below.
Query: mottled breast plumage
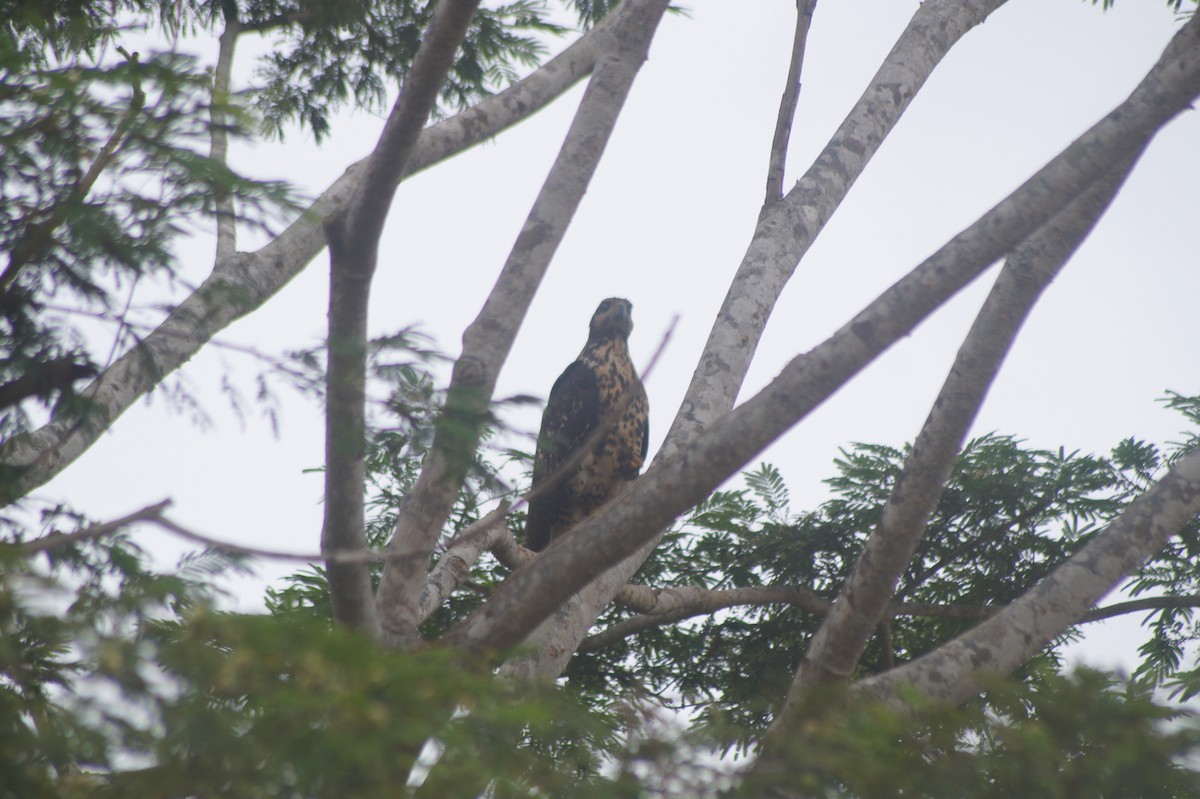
(594, 431)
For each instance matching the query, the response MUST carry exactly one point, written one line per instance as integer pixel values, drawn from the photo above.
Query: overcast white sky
(665, 224)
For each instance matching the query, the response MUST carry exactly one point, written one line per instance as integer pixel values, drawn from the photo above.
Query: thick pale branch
(785, 233)
(683, 479)
(353, 238)
(456, 562)
(219, 151)
(487, 341)
(244, 282)
(862, 603)
(782, 236)
(1002, 643)
(787, 105)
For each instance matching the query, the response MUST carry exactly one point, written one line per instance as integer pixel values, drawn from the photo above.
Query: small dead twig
(787, 105)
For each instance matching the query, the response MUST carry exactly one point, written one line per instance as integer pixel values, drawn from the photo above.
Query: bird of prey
(594, 430)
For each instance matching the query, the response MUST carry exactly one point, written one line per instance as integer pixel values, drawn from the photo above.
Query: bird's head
(613, 317)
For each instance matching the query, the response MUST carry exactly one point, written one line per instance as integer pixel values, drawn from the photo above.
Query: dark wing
(572, 412)
(645, 434)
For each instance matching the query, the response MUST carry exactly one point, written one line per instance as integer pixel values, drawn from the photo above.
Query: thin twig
(56, 540)
(153, 514)
(38, 234)
(787, 105)
(274, 361)
(354, 556)
(707, 602)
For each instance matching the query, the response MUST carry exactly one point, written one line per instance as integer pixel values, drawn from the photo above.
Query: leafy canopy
(118, 679)
(110, 668)
(106, 161)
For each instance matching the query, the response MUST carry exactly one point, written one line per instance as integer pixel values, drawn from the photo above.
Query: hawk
(594, 430)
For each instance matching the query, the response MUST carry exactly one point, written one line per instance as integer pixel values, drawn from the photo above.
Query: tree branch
(283, 20)
(39, 234)
(787, 105)
(684, 602)
(242, 284)
(780, 239)
(353, 237)
(368, 208)
(56, 540)
(487, 341)
(1139, 605)
(952, 673)
(862, 602)
(355, 557)
(484, 530)
(455, 564)
(219, 132)
(783, 235)
(704, 602)
(687, 476)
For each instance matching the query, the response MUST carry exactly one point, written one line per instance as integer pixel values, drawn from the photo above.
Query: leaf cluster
(103, 168)
(115, 680)
(1086, 734)
(1008, 516)
(333, 53)
(118, 681)
(75, 676)
(103, 164)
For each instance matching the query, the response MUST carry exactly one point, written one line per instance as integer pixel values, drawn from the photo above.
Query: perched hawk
(580, 465)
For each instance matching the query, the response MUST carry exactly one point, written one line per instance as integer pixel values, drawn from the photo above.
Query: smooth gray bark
(835, 649)
(687, 476)
(999, 645)
(783, 234)
(488, 340)
(219, 152)
(353, 236)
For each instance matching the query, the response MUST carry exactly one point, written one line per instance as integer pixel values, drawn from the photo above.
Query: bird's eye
(604, 306)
